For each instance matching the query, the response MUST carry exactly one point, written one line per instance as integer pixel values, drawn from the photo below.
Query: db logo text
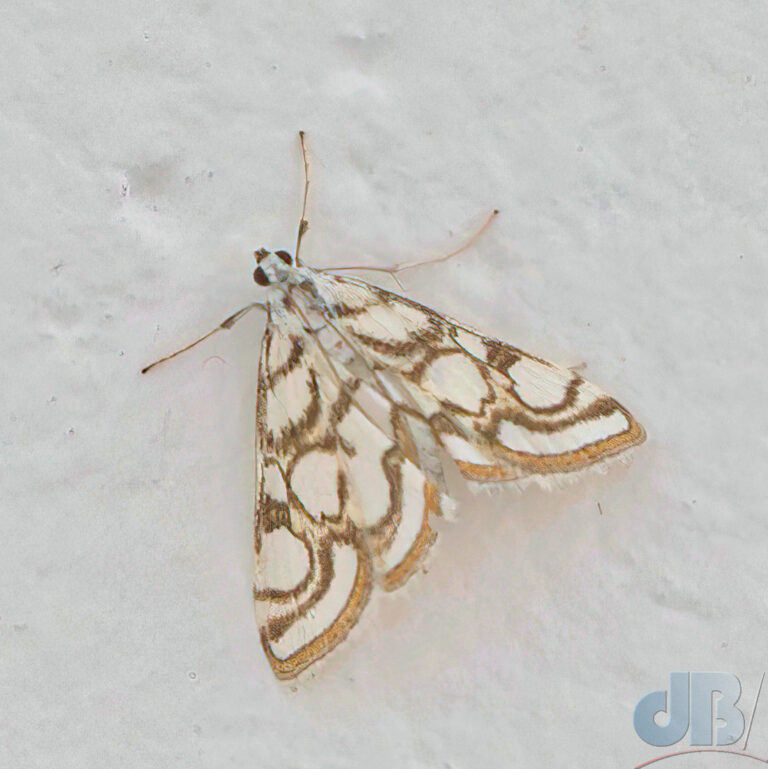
(691, 707)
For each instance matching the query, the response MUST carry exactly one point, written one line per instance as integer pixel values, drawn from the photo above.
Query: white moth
(362, 395)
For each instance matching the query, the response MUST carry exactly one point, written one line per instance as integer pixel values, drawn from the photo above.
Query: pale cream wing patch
(339, 505)
(499, 412)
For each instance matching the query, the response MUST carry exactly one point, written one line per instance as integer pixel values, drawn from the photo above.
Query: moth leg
(463, 247)
(410, 265)
(303, 223)
(362, 268)
(225, 324)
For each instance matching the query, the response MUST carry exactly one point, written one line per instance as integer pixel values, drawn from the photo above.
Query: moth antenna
(303, 223)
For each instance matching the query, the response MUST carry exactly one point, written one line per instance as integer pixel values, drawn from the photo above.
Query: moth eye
(260, 277)
(285, 256)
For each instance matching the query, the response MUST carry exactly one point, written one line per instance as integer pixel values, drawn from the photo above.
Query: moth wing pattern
(339, 506)
(359, 390)
(500, 413)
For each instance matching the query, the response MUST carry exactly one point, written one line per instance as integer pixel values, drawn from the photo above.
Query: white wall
(147, 148)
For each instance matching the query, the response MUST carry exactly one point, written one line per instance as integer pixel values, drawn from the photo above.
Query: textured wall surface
(147, 148)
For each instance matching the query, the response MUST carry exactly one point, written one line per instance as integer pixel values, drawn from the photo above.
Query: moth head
(271, 267)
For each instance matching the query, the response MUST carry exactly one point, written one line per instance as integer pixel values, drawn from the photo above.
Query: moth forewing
(336, 491)
(501, 413)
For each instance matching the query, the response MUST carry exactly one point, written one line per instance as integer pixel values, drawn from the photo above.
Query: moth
(363, 397)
